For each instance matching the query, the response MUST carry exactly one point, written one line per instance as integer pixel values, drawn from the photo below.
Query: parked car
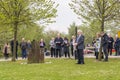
(89, 50)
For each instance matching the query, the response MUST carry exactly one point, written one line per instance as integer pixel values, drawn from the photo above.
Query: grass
(61, 69)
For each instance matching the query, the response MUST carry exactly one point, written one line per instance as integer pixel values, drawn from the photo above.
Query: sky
(65, 17)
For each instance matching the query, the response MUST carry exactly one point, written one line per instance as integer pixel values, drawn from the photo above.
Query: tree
(30, 33)
(72, 30)
(18, 12)
(102, 10)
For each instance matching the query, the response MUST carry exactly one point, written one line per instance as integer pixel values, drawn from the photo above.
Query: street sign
(118, 34)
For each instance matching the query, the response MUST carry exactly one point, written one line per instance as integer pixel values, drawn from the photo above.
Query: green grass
(61, 69)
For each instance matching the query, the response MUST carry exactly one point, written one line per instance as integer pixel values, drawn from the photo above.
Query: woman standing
(6, 50)
(42, 43)
(66, 47)
(52, 47)
(97, 45)
(28, 46)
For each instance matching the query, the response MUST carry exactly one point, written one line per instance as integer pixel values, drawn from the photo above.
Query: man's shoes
(105, 60)
(80, 63)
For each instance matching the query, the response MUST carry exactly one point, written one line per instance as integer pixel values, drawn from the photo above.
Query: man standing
(12, 47)
(117, 45)
(105, 45)
(58, 42)
(23, 46)
(71, 45)
(80, 47)
(110, 44)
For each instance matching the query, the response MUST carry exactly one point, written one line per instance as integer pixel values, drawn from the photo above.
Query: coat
(66, 45)
(110, 42)
(71, 43)
(12, 45)
(6, 49)
(23, 45)
(117, 43)
(80, 42)
(43, 45)
(58, 42)
(105, 41)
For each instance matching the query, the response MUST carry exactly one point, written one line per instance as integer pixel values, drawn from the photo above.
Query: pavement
(86, 56)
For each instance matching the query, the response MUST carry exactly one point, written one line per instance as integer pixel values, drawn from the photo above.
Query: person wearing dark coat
(105, 40)
(12, 47)
(110, 44)
(58, 43)
(117, 46)
(71, 45)
(6, 50)
(80, 47)
(66, 47)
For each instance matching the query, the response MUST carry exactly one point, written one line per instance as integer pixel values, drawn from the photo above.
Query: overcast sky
(65, 17)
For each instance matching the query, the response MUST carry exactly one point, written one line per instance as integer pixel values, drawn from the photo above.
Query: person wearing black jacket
(105, 39)
(80, 47)
(66, 47)
(71, 45)
(110, 44)
(58, 43)
(117, 46)
(12, 47)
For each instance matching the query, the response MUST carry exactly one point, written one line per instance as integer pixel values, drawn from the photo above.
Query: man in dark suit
(105, 40)
(71, 45)
(110, 44)
(117, 46)
(58, 43)
(80, 47)
(12, 47)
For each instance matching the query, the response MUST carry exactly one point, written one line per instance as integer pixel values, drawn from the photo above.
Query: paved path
(86, 56)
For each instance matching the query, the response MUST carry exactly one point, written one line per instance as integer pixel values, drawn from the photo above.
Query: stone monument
(36, 54)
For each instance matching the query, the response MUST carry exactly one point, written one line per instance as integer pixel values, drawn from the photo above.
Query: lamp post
(76, 31)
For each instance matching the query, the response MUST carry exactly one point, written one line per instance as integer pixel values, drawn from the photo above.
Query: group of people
(76, 44)
(59, 44)
(107, 44)
(25, 47)
(10, 48)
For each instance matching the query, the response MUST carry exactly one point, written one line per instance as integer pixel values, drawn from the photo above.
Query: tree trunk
(76, 31)
(102, 29)
(15, 38)
(36, 54)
